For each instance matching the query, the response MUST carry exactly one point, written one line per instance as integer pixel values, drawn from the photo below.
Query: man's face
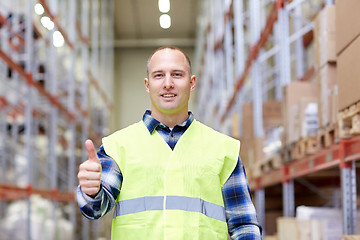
(169, 83)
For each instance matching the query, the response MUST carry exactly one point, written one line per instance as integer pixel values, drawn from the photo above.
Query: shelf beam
(10, 192)
(321, 160)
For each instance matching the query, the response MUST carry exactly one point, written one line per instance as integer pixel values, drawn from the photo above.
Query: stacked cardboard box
(324, 36)
(325, 53)
(297, 97)
(327, 95)
(251, 146)
(348, 52)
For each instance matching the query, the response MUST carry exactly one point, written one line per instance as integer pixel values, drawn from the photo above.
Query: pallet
(256, 170)
(272, 162)
(285, 153)
(349, 121)
(297, 150)
(328, 136)
(305, 146)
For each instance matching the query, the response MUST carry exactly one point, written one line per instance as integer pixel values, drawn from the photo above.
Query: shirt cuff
(84, 199)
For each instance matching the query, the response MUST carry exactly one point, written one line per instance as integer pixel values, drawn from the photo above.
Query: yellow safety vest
(171, 194)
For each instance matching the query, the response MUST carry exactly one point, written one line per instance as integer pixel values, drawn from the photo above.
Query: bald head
(170, 48)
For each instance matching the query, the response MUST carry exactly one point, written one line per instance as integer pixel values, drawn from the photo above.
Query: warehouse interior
(281, 76)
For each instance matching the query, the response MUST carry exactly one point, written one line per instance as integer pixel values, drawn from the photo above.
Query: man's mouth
(168, 95)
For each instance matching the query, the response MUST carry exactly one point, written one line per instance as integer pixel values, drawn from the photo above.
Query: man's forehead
(161, 57)
(167, 51)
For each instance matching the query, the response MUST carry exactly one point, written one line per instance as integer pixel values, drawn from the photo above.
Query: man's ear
(192, 83)
(146, 82)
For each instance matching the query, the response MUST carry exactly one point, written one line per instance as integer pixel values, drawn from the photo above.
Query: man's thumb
(91, 150)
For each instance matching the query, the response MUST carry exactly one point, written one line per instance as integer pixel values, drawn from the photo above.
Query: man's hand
(90, 171)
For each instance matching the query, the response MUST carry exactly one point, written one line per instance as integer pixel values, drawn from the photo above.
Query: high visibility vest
(171, 194)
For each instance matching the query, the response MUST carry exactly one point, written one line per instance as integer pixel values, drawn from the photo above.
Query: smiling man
(168, 176)
(169, 84)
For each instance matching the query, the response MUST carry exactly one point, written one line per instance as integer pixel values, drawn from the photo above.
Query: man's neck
(171, 120)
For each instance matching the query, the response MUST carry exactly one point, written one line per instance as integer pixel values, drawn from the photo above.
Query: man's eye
(177, 74)
(158, 76)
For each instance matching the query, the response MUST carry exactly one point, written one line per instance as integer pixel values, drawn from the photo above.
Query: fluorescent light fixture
(58, 39)
(47, 23)
(38, 9)
(165, 21)
(164, 6)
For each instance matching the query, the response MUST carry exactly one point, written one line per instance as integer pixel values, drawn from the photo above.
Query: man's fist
(90, 171)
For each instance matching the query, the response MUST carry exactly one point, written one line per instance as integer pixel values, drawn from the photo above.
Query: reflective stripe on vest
(142, 204)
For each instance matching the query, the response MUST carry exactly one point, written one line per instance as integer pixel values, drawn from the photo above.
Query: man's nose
(168, 82)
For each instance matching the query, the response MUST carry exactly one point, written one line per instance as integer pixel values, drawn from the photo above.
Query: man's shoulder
(127, 130)
(213, 132)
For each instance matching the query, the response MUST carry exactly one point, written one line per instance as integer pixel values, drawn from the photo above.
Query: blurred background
(282, 76)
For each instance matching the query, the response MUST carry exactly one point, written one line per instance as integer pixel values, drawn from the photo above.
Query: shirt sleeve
(239, 209)
(104, 201)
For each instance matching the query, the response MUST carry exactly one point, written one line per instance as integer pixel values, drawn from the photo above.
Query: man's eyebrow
(156, 71)
(161, 71)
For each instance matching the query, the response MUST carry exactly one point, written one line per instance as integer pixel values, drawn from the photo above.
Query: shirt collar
(151, 123)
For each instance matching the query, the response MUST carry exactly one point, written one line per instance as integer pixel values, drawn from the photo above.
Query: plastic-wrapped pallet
(42, 226)
(322, 223)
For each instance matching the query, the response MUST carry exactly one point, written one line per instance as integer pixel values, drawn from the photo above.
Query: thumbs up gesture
(90, 171)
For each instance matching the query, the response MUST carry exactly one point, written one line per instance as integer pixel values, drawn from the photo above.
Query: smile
(168, 95)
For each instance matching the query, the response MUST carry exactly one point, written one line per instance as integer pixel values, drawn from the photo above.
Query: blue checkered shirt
(239, 209)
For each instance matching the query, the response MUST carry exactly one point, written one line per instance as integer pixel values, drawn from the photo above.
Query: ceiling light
(165, 21)
(38, 9)
(164, 6)
(47, 23)
(58, 39)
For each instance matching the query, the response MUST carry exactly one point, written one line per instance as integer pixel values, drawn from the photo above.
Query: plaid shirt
(239, 209)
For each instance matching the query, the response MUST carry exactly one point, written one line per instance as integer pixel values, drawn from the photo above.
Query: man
(168, 176)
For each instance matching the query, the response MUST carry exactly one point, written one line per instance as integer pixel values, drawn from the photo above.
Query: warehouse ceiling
(137, 23)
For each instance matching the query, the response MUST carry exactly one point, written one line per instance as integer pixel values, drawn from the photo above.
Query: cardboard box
(307, 229)
(293, 92)
(324, 36)
(322, 223)
(271, 114)
(251, 155)
(335, 102)
(251, 151)
(292, 126)
(235, 130)
(348, 74)
(287, 228)
(274, 237)
(326, 82)
(347, 23)
(308, 116)
(350, 237)
(248, 121)
(271, 117)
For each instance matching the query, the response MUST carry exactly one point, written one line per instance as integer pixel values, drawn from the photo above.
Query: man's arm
(97, 206)
(239, 209)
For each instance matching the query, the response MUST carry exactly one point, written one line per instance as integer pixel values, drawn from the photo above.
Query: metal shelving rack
(268, 42)
(45, 108)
